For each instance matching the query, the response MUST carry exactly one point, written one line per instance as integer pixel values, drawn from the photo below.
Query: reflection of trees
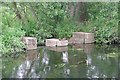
(38, 65)
(66, 70)
(45, 59)
(65, 56)
(22, 69)
(89, 59)
(31, 67)
(101, 66)
(28, 67)
(45, 64)
(0, 68)
(92, 71)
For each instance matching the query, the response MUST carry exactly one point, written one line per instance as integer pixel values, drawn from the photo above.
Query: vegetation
(56, 20)
(103, 20)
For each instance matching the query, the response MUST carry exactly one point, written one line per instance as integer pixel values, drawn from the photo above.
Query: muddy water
(76, 61)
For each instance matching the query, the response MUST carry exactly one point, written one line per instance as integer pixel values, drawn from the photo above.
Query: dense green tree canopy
(56, 20)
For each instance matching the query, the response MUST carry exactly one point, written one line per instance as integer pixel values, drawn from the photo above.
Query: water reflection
(65, 56)
(66, 69)
(0, 68)
(45, 59)
(55, 62)
(89, 59)
(27, 68)
(87, 49)
(45, 63)
(92, 72)
(58, 49)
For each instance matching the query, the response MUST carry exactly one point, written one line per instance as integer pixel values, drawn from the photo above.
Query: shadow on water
(76, 61)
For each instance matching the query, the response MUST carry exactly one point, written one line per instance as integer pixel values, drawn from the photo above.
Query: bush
(11, 32)
(65, 29)
(103, 21)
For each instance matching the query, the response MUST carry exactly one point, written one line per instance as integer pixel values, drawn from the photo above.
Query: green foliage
(51, 20)
(40, 20)
(65, 29)
(103, 21)
(11, 32)
(47, 17)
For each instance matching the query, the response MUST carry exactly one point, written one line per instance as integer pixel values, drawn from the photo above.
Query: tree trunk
(83, 12)
(71, 9)
(17, 11)
(78, 11)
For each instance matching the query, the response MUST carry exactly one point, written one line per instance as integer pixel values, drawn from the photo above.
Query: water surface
(76, 61)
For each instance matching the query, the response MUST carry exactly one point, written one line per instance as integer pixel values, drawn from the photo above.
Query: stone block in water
(89, 37)
(62, 43)
(30, 42)
(76, 40)
(56, 42)
(51, 42)
(79, 35)
(82, 37)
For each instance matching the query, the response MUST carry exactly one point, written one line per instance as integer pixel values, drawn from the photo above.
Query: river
(75, 61)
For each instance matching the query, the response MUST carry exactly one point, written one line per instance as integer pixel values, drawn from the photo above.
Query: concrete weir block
(30, 42)
(89, 37)
(62, 43)
(51, 42)
(79, 35)
(56, 42)
(82, 37)
(76, 40)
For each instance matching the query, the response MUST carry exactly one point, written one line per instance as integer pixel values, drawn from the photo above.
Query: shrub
(11, 32)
